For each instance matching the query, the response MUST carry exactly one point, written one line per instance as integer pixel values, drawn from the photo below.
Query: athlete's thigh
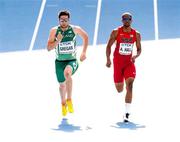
(118, 71)
(60, 66)
(73, 66)
(130, 72)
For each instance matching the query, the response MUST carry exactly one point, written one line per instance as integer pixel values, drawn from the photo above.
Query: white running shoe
(126, 117)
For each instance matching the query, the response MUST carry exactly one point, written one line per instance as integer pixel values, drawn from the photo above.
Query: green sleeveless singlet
(66, 49)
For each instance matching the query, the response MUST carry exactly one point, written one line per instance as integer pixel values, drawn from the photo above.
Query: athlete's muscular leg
(129, 88)
(68, 74)
(62, 90)
(119, 86)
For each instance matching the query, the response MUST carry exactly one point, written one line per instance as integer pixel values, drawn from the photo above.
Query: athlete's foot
(70, 106)
(126, 117)
(64, 110)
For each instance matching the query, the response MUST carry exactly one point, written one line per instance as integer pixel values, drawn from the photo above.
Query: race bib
(66, 47)
(126, 48)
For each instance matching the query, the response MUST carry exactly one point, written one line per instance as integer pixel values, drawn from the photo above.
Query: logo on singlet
(127, 40)
(69, 35)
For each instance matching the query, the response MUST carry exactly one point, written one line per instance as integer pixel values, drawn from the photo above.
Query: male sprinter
(62, 38)
(123, 61)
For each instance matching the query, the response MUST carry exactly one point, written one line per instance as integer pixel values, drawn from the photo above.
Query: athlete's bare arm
(138, 46)
(78, 30)
(112, 39)
(52, 40)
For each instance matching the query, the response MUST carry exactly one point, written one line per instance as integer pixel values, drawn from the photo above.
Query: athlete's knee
(119, 88)
(129, 86)
(62, 86)
(67, 73)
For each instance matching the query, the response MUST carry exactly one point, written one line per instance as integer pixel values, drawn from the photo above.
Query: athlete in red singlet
(124, 68)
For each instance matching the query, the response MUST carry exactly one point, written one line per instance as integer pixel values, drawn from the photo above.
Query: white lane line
(156, 20)
(97, 22)
(37, 25)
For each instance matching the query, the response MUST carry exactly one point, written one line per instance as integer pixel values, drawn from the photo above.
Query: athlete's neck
(64, 28)
(126, 28)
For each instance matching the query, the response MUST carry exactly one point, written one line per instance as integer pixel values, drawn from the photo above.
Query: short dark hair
(64, 12)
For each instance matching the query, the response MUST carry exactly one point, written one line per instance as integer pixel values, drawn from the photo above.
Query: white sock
(127, 107)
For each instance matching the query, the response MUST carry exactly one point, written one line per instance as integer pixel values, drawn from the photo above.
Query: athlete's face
(127, 20)
(64, 21)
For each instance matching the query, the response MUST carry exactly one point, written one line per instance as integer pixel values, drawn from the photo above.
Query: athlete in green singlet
(62, 38)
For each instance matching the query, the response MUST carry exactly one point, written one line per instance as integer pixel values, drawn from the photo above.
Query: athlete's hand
(59, 37)
(83, 56)
(108, 63)
(133, 59)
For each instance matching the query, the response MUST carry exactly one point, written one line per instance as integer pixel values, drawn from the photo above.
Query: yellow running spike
(70, 106)
(64, 110)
